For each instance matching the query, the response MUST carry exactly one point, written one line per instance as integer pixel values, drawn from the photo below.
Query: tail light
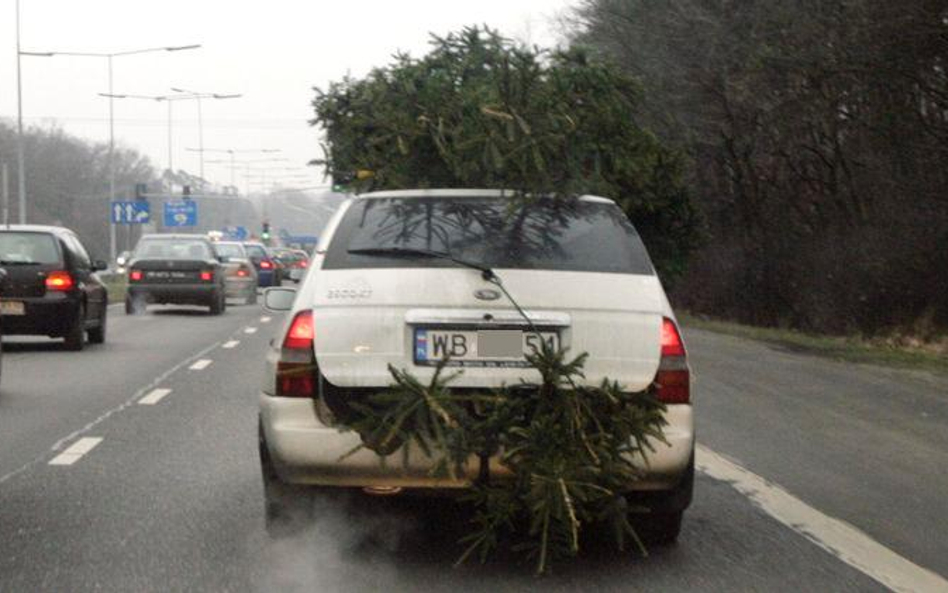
(207, 276)
(302, 264)
(296, 376)
(673, 380)
(59, 281)
(265, 264)
(135, 275)
(242, 272)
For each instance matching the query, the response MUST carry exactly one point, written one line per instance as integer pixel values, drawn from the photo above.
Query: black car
(3, 277)
(175, 269)
(51, 288)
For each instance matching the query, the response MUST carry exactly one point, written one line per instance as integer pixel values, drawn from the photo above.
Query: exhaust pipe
(382, 490)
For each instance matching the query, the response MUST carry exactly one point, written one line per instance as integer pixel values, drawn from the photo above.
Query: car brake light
(135, 275)
(207, 276)
(242, 272)
(673, 380)
(266, 265)
(302, 264)
(59, 281)
(296, 375)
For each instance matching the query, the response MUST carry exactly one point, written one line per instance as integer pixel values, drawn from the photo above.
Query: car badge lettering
(486, 294)
(358, 289)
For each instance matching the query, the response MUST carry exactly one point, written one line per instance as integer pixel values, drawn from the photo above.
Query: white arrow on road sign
(117, 212)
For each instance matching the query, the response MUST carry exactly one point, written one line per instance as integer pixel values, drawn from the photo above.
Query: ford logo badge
(486, 294)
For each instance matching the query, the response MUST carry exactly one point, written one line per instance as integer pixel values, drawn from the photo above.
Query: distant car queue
(50, 286)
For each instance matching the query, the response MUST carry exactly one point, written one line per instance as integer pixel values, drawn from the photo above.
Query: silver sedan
(240, 276)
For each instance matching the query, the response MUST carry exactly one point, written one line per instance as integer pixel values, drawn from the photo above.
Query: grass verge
(886, 352)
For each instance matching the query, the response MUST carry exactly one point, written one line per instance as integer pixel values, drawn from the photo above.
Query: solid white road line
(230, 344)
(154, 397)
(250, 330)
(200, 365)
(75, 452)
(839, 538)
(265, 319)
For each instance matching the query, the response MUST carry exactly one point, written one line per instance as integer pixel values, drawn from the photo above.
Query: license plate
(166, 275)
(12, 308)
(479, 348)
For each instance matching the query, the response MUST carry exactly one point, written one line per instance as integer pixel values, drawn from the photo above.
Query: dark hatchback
(175, 269)
(51, 288)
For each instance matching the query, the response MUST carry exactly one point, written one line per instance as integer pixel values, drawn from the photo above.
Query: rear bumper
(305, 451)
(50, 315)
(240, 287)
(175, 294)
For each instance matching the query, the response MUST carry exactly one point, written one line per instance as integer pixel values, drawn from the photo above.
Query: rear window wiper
(6, 262)
(485, 271)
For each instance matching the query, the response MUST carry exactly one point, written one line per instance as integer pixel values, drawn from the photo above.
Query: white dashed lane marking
(265, 319)
(230, 344)
(155, 396)
(75, 452)
(841, 539)
(250, 330)
(200, 365)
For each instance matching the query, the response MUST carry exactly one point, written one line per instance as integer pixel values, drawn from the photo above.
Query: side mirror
(99, 265)
(278, 299)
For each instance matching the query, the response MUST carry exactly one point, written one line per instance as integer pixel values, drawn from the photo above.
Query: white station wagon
(381, 291)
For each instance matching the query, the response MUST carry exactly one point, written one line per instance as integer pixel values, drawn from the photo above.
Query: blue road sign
(132, 212)
(236, 233)
(183, 213)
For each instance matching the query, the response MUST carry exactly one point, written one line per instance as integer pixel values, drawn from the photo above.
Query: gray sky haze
(271, 52)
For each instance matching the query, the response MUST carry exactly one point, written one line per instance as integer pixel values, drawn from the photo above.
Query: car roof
(36, 228)
(175, 236)
(459, 193)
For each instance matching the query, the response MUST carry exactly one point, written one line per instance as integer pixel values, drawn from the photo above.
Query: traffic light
(186, 191)
(265, 232)
(140, 190)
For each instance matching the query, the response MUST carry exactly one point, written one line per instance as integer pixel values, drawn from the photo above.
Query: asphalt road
(170, 498)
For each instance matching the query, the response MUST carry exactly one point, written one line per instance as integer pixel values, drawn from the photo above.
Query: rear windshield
(28, 248)
(173, 249)
(229, 250)
(547, 234)
(256, 251)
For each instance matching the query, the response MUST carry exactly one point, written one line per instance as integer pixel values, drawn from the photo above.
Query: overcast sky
(272, 52)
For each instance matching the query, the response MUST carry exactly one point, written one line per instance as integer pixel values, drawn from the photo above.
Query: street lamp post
(197, 96)
(169, 99)
(20, 157)
(109, 57)
(111, 96)
(246, 165)
(231, 152)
